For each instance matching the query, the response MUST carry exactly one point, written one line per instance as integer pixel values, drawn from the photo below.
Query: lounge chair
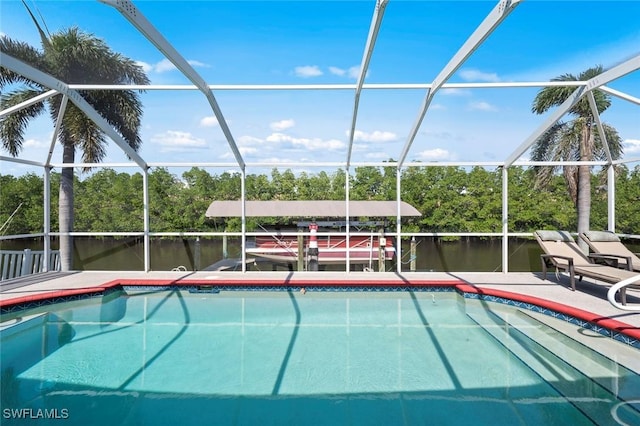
(561, 251)
(608, 244)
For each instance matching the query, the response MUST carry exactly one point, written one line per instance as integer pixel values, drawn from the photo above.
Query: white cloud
(209, 121)
(174, 140)
(307, 71)
(246, 150)
(314, 144)
(352, 72)
(375, 136)
(476, 75)
(278, 126)
(279, 137)
(337, 71)
(198, 64)
(34, 143)
(166, 65)
(482, 106)
(631, 146)
(249, 140)
(147, 68)
(454, 92)
(377, 156)
(434, 154)
(276, 160)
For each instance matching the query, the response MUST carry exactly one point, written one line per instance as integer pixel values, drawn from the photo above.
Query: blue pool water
(278, 358)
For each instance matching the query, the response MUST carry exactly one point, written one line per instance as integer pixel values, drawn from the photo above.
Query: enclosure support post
(47, 219)
(347, 185)
(145, 204)
(611, 199)
(243, 197)
(505, 220)
(398, 221)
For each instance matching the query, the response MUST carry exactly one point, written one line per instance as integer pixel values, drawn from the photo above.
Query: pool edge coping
(462, 287)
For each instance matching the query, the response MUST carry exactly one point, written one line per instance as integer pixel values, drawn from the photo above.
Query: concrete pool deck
(589, 296)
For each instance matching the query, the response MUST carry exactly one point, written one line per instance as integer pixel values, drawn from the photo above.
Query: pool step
(588, 380)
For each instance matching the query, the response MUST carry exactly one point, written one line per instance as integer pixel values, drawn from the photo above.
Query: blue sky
(311, 42)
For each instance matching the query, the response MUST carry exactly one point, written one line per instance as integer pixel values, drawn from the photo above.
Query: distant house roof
(315, 209)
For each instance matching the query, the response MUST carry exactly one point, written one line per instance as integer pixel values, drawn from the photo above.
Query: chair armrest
(547, 260)
(547, 257)
(604, 258)
(612, 259)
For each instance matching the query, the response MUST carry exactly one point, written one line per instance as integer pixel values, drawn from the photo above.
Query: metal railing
(611, 294)
(17, 263)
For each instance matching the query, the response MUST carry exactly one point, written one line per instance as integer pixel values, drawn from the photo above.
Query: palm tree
(575, 140)
(73, 57)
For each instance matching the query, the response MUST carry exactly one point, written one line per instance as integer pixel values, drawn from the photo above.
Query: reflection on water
(138, 358)
(432, 254)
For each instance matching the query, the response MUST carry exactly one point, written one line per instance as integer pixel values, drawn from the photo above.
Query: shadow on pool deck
(28, 280)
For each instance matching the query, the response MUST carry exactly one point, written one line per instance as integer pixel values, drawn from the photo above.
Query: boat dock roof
(312, 208)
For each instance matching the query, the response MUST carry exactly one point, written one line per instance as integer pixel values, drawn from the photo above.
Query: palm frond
(614, 141)
(26, 54)
(554, 96)
(13, 126)
(46, 43)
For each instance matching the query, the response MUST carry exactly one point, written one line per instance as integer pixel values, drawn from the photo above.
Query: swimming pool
(237, 357)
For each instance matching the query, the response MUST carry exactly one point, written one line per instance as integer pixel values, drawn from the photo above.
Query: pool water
(385, 358)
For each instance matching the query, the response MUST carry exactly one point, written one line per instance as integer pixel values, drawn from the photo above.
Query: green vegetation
(72, 56)
(451, 199)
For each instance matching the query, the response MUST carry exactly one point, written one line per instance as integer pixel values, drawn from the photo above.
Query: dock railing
(17, 263)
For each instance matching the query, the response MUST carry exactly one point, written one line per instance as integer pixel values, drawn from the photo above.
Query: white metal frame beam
(140, 22)
(490, 23)
(39, 98)
(620, 94)
(596, 117)
(603, 78)
(374, 28)
(56, 130)
(51, 82)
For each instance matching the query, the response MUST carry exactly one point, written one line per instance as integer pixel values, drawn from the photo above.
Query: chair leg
(544, 269)
(573, 278)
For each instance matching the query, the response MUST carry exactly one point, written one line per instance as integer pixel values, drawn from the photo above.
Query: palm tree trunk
(65, 208)
(583, 204)
(584, 201)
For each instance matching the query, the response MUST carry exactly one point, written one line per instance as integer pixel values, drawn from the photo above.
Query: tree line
(451, 199)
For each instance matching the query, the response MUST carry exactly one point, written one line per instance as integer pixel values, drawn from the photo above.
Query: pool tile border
(605, 326)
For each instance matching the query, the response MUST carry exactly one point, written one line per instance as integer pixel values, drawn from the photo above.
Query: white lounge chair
(608, 244)
(561, 251)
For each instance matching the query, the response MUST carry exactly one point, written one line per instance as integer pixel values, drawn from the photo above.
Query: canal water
(193, 253)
